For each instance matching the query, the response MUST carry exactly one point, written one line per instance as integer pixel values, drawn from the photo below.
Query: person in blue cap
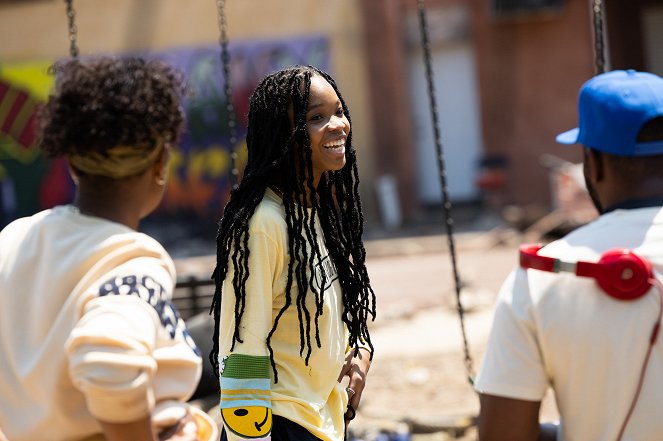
(584, 329)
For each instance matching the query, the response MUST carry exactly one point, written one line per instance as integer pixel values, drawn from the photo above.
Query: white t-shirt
(87, 330)
(562, 331)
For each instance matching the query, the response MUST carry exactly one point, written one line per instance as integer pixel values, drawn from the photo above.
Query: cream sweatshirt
(87, 330)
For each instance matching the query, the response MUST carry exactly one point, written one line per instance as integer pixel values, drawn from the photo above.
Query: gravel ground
(418, 385)
(418, 381)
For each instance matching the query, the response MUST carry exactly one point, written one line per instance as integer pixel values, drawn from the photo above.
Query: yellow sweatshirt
(87, 330)
(308, 395)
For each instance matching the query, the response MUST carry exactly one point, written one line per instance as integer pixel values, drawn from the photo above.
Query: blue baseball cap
(612, 109)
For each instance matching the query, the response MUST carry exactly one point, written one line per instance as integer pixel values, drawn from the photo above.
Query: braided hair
(279, 155)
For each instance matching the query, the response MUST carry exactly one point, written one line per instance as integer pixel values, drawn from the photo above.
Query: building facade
(506, 76)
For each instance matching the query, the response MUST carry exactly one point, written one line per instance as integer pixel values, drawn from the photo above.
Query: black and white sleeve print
(150, 291)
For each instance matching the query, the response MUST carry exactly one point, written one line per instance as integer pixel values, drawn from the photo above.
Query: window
(524, 8)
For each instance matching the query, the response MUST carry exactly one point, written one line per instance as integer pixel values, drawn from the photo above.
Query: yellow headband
(119, 162)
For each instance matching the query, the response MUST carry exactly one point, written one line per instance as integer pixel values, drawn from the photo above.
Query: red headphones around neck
(621, 273)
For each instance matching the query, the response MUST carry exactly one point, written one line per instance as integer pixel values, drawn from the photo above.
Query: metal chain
(599, 45)
(423, 26)
(73, 30)
(230, 108)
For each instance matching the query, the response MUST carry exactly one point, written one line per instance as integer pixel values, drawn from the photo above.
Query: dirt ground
(418, 384)
(418, 381)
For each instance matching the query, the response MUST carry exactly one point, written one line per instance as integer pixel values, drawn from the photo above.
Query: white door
(458, 111)
(652, 19)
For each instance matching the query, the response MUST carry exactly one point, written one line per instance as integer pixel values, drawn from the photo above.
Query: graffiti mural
(199, 181)
(27, 181)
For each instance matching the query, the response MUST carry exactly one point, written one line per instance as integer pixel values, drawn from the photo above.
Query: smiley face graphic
(248, 422)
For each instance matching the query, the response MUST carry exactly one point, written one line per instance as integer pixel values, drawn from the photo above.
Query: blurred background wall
(507, 74)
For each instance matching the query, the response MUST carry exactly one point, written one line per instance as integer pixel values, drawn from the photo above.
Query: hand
(135, 430)
(186, 429)
(355, 368)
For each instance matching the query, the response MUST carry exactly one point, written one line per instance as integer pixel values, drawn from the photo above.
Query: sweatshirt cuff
(121, 406)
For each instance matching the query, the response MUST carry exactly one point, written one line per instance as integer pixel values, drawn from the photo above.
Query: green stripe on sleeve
(246, 366)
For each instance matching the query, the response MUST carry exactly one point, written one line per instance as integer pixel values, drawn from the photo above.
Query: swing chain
(73, 30)
(423, 26)
(227, 89)
(599, 44)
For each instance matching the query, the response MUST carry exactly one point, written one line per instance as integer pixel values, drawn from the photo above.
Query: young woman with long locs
(293, 297)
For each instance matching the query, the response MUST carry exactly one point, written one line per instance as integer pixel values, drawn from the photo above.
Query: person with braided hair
(293, 296)
(92, 347)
